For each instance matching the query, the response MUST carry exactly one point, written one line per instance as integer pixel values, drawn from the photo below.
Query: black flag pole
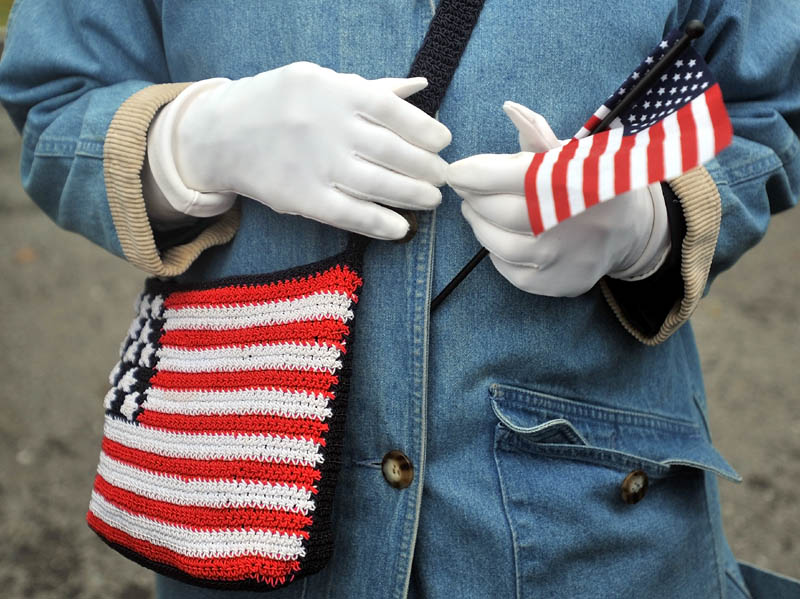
(694, 29)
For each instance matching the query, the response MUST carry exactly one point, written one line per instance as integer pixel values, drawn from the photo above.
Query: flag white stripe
(316, 306)
(575, 177)
(605, 175)
(673, 162)
(274, 356)
(200, 492)
(213, 446)
(544, 189)
(199, 543)
(291, 404)
(638, 160)
(705, 128)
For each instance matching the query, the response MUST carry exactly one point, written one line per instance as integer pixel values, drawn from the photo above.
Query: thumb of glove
(535, 135)
(402, 87)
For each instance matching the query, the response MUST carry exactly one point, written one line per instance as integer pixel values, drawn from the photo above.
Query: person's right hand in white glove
(626, 237)
(301, 139)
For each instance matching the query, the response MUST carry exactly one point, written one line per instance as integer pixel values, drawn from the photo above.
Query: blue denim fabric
(522, 414)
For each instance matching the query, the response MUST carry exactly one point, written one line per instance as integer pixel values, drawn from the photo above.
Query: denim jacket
(522, 415)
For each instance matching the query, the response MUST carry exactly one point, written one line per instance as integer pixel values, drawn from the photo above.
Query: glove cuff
(658, 245)
(163, 173)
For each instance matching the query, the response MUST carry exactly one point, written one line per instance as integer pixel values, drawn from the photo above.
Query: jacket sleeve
(754, 53)
(81, 81)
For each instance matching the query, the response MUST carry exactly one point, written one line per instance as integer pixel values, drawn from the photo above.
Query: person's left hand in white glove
(626, 237)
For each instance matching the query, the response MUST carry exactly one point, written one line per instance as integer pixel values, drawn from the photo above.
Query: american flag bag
(224, 424)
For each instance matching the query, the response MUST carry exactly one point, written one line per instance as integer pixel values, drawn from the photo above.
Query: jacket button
(397, 469)
(412, 225)
(634, 487)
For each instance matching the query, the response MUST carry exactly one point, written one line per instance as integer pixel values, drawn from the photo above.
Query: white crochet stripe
(211, 493)
(291, 404)
(275, 356)
(199, 543)
(316, 306)
(213, 446)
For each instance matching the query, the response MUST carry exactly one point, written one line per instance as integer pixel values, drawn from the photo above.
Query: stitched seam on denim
(422, 312)
(703, 415)
(772, 163)
(63, 147)
(593, 455)
(549, 403)
(736, 583)
(721, 570)
(54, 148)
(498, 443)
(604, 456)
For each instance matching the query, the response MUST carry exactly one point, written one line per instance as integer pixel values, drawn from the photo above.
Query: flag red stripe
(329, 330)
(186, 468)
(622, 165)
(531, 197)
(263, 569)
(655, 153)
(723, 130)
(338, 278)
(593, 121)
(688, 132)
(287, 380)
(559, 180)
(197, 517)
(591, 175)
(231, 423)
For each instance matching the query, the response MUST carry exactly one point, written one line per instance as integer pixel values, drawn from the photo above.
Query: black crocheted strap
(441, 50)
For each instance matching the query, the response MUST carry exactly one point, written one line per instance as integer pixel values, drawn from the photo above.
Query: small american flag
(675, 125)
(223, 426)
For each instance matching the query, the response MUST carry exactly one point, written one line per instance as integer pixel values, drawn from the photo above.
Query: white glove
(302, 139)
(626, 237)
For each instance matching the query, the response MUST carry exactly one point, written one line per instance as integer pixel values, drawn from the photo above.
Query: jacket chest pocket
(604, 502)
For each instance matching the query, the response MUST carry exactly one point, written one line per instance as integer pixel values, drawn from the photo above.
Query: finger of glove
(535, 134)
(514, 248)
(343, 211)
(383, 147)
(490, 173)
(364, 180)
(550, 283)
(402, 87)
(506, 211)
(406, 120)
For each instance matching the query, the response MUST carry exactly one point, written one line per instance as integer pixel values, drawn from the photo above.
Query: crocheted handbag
(225, 419)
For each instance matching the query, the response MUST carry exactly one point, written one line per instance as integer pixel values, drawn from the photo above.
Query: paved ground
(65, 305)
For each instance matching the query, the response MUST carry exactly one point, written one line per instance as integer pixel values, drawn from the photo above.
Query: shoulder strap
(441, 50)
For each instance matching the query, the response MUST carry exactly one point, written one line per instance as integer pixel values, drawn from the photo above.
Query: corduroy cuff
(123, 157)
(702, 211)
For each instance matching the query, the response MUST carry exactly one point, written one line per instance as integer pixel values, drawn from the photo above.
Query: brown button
(397, 469)
(634, 487)
(412, 225)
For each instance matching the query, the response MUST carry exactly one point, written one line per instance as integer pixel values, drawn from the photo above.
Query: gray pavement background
(65, 305)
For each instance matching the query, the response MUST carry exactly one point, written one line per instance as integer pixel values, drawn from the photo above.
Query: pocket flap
(554, 425)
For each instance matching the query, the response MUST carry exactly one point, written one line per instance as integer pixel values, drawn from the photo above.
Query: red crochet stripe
(338, 278)
(289, 380)
(204, 518)
(230, 423)
(239, 568)
(304, 477)
(328, 330)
